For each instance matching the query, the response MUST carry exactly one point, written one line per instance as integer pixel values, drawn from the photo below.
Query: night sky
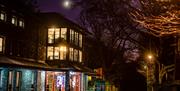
(56, 6)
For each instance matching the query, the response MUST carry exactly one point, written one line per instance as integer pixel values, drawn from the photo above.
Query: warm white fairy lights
(164, 24)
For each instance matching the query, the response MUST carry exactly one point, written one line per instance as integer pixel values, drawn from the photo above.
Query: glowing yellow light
(63, 48)
(89, 78)
(150, 56)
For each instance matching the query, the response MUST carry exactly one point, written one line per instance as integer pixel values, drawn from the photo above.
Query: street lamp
(150, 69)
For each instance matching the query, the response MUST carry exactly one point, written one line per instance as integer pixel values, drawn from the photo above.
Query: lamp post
(150, 72)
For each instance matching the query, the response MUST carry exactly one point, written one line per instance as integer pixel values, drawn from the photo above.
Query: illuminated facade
(63, 41)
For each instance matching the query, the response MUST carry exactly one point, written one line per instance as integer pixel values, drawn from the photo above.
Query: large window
(63, 52)
(51, 35)
(76, 38)
(14, 20)
(76, 55)
(80, 40)
(80, 56)
(1, 45)
(3, 16)
(18, 80)
(10, 80)
(63, 33)
(71, 36)
(71, 54)
(55, 33)
(56, 53)
(50, 53)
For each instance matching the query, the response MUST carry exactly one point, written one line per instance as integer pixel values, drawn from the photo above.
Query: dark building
(17, 71)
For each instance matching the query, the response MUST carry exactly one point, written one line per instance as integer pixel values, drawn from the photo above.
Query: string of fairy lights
(164, 24)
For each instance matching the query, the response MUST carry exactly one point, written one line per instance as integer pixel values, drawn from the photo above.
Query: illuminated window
(63, 33)
(21, 23)
(50, 53)
(3, 16)
(10, 80)
(63, 53)
(76, 55)
(80, 40)
(51, 35)
(14, 20)
(80, 56)
(57, 32)
(71, 54)
(1, 45)
(18, 79)
(71, 35)
(56, 53)
(76, 38)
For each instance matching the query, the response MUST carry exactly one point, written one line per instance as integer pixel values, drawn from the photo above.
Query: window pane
(10, 77)
(1, 44)
(3, 16)
(63, 53)
(76, 55)
(76, 38)
(51, 35)
(71, 36)
(80, 40)
(18, 76)
(14, 20)
(56, 53)
(80, 56)
(50, 53)
(71, 54)
(63, 33)
(21, 23)
(57, 32)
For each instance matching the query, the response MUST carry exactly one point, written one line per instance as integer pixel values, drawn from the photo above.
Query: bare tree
(114, 34)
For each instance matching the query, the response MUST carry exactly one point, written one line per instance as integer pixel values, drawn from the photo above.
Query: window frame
(21, 21)
(49, 54)
(64, 35)
(2, 44)
(71, 54)
(72, 36)
(14, 20)
(80, 40)
(80, 56)
(10, 80)
(18, 80)
(4, 14)
(51, 35)
(63, 52)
